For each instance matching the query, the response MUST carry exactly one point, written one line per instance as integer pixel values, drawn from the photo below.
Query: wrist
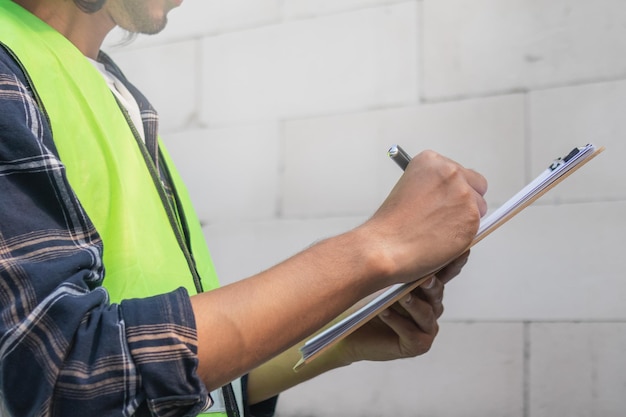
(375, 256)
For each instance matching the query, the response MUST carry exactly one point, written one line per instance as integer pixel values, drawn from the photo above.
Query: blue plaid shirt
(64, 349)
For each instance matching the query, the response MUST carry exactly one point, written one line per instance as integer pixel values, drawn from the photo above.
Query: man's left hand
(406, 329)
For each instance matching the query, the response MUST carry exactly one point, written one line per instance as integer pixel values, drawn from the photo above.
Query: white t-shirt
(123, 95)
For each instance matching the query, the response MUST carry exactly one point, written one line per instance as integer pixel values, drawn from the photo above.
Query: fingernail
(429, 284)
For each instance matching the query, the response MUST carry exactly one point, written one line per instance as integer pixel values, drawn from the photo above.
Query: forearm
(245, 324)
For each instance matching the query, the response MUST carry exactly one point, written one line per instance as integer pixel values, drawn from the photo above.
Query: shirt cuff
(162, 340)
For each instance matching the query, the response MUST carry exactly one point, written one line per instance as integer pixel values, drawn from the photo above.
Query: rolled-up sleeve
(165, 352)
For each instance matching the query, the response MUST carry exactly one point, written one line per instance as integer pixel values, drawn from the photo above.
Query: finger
(481, 204)
(476, 181)
(412, 340)
(422, 312)
(432, 293)
(453, 268)
(479, 184)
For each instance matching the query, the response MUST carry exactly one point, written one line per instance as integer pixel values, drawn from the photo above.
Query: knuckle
(429, 154)
(430, 314)
(423, 345)
(440, 310)
(435, 330)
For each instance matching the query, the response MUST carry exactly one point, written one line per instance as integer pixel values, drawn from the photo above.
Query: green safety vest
(146, 252)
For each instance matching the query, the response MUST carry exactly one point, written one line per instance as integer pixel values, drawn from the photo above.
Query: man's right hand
(429, 218)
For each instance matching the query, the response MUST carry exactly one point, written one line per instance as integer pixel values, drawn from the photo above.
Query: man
(87, 188)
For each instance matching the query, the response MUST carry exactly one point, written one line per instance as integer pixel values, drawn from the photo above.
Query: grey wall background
(256, 97)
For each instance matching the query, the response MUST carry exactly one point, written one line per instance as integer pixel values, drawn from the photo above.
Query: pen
(400, 156)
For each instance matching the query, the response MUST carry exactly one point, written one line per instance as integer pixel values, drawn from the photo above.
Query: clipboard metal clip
(562, 160)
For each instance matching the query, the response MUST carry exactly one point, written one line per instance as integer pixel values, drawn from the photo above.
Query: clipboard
(558, 170)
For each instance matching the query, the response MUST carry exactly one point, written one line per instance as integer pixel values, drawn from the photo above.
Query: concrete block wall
(279, 114)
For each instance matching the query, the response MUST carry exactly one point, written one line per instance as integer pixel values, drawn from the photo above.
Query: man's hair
(89, 6)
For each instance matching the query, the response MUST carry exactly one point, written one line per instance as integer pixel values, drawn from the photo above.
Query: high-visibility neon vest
(146, 251)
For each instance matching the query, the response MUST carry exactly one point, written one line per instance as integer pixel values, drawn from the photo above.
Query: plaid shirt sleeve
(64, 349)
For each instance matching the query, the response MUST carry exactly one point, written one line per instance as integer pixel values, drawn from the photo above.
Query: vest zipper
(230, 402)
(175, 222)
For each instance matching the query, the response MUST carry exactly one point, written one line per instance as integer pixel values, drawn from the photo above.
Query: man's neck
(85, 31)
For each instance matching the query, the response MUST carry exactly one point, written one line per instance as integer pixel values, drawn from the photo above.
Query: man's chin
(148, 29)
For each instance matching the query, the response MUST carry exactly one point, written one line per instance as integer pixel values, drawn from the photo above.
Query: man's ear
(89, 6)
